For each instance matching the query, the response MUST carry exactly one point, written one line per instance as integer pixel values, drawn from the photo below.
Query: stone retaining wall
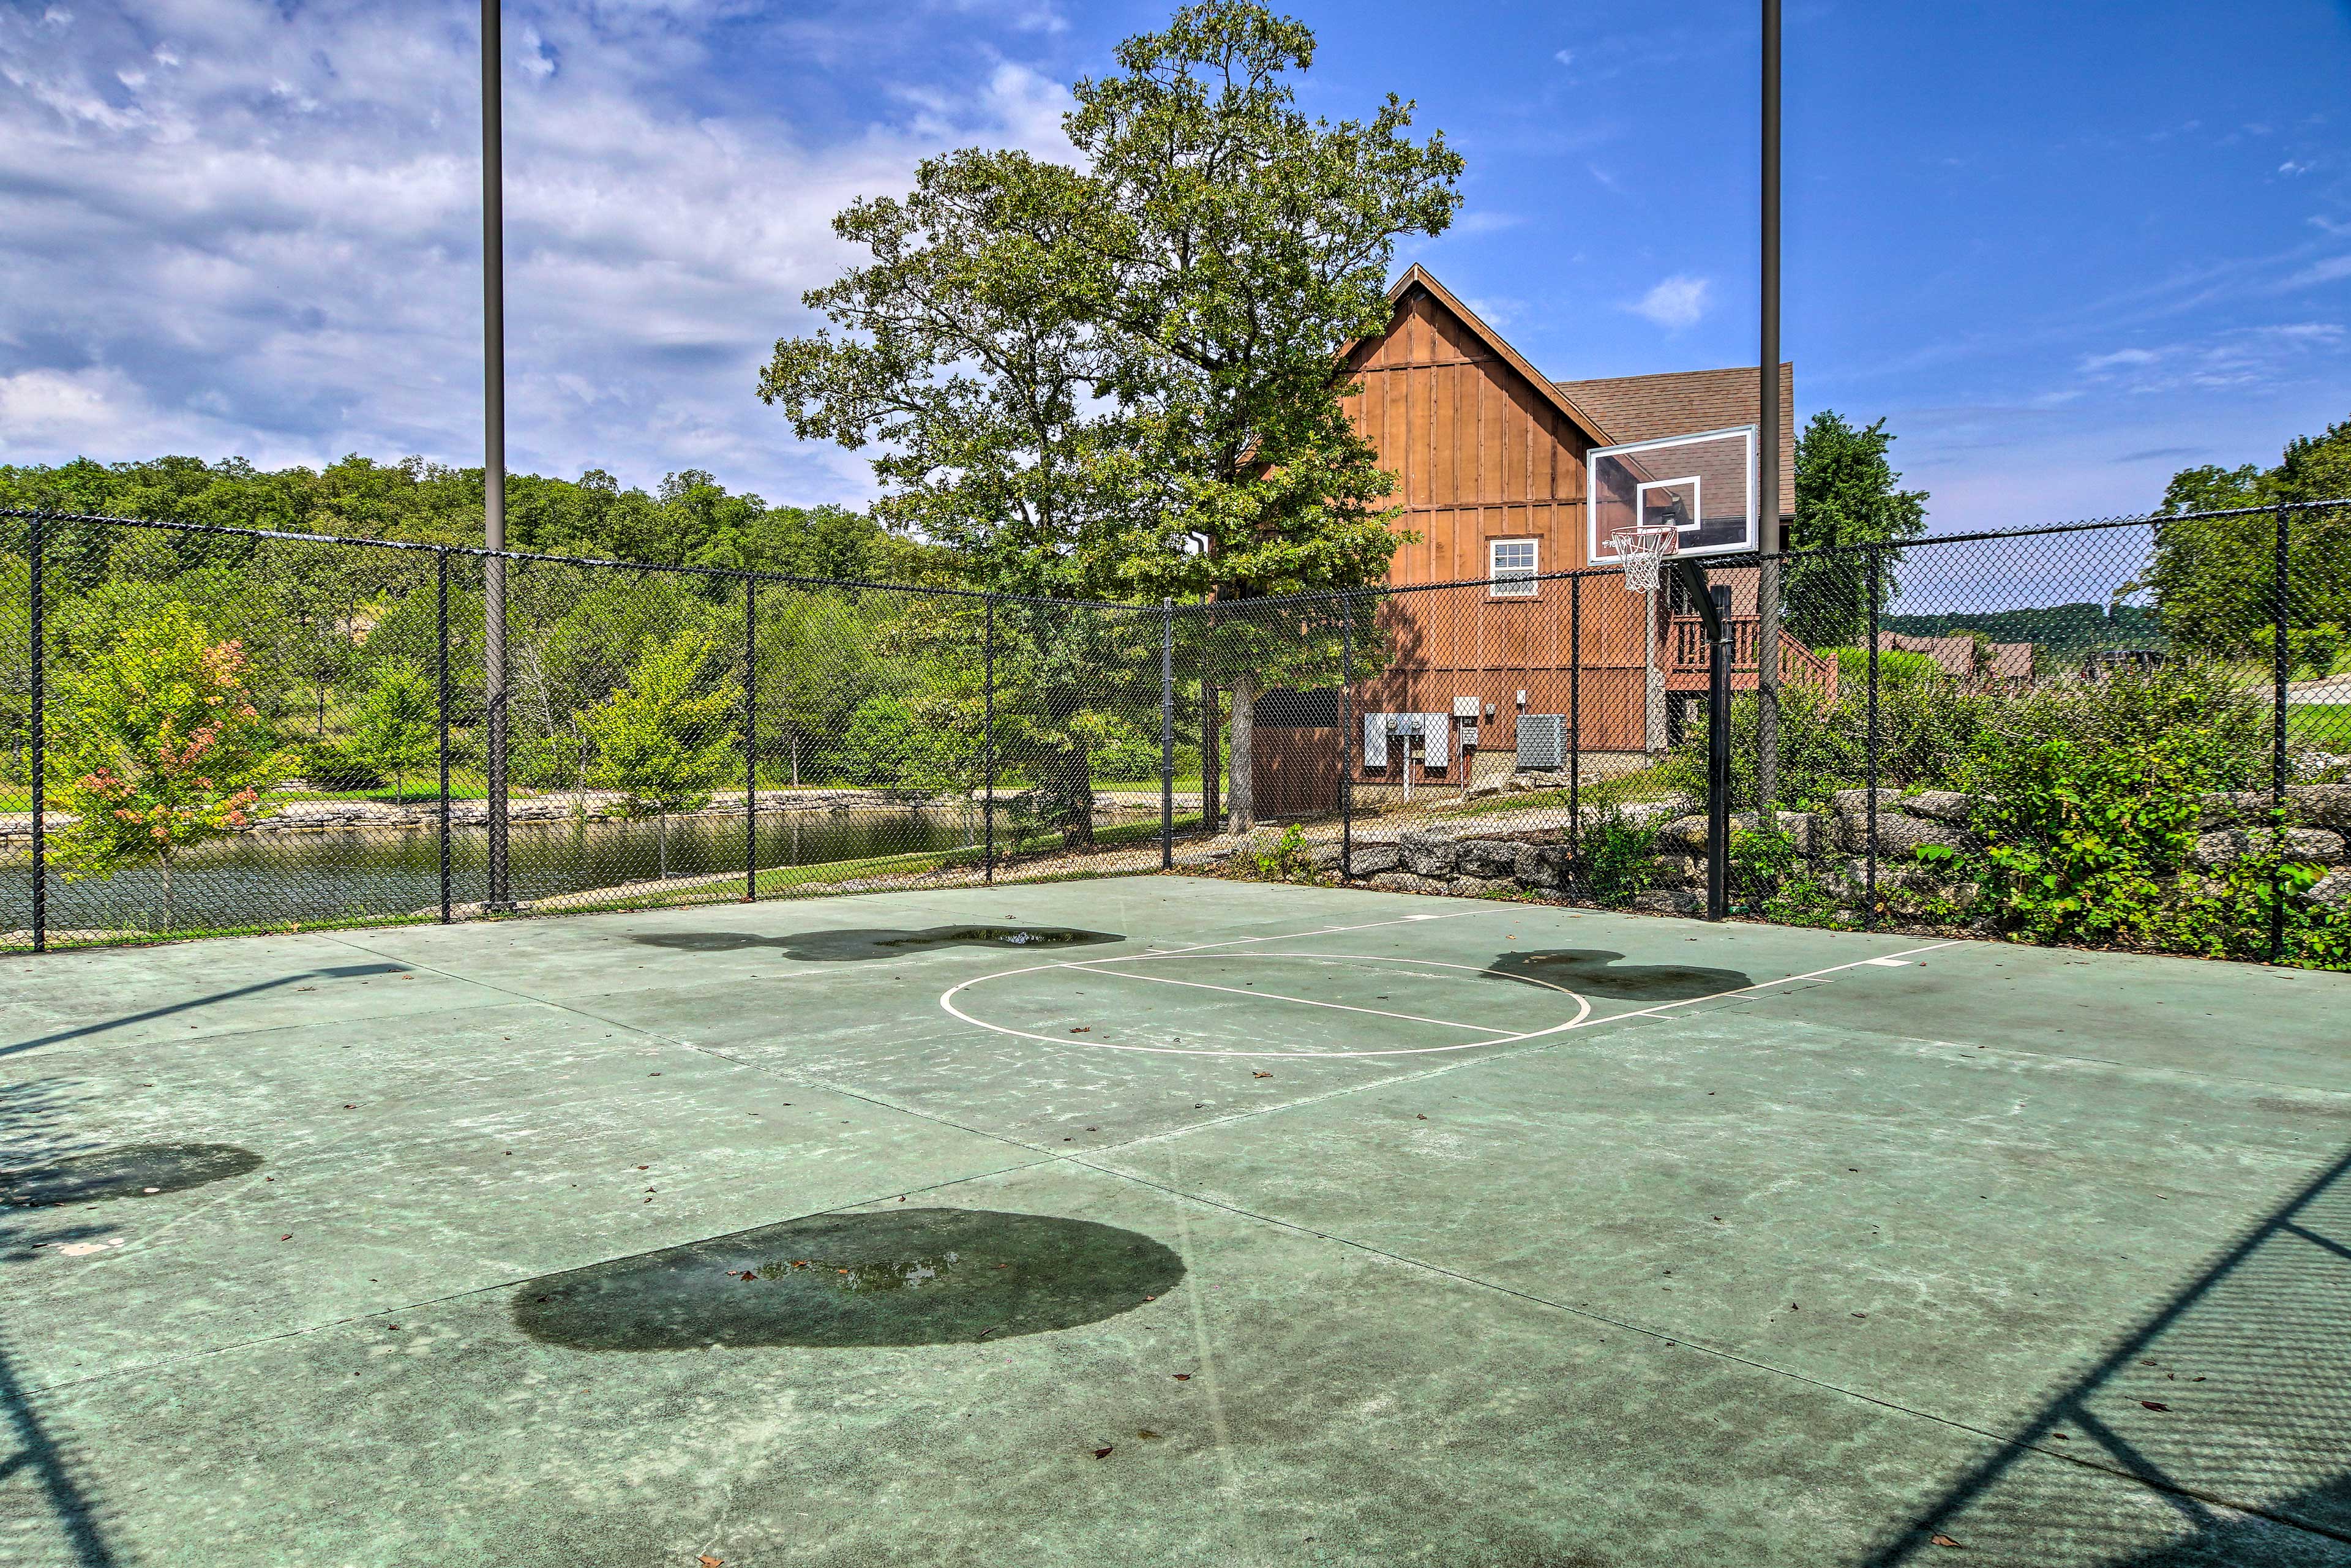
(1832, 850)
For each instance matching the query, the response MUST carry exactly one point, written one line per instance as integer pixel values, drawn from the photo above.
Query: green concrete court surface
(1227, 1224)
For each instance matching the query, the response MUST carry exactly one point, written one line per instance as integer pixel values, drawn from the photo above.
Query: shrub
(1617, 855)
(1287, 859)
(331, 763)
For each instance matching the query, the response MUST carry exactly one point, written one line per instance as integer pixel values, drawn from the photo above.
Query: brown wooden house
(1488, 455)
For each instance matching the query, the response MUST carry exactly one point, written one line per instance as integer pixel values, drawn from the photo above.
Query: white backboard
(1703, 486)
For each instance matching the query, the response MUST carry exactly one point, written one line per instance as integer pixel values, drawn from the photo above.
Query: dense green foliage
(396, 726)
(2215, 579)
(1847, 493)
(690, 520)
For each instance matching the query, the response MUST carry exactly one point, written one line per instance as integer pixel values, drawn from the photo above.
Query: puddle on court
(833, 946)
(898, 1277)
(134, 1170)
(1597, 972)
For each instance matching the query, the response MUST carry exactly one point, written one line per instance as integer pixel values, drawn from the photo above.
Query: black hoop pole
(1713, 604)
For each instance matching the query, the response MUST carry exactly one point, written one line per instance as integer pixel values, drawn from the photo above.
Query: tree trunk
(165, 859)
(1241, 792)
(794, 736)
(1209, 757)
(661, 836)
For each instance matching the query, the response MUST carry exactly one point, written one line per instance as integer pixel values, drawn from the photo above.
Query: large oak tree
(1119, 380)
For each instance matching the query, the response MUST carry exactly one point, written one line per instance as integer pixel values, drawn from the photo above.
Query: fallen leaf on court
(1105, 1453)
(2154, 1404)
(1254, 1074)
(1942, 1541)
(1183, 1378)
(1419, 1118)
(1081, 1031)
(709, 1562)
(1147, 1433)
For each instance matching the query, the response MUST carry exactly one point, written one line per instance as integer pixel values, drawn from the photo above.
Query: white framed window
(1511, 565)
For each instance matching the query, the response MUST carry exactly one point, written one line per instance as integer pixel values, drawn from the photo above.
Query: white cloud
(2120, 358)
(2325, 271)
(2294, 166)
(255, 230)
(1678, 302)
(1565, 56)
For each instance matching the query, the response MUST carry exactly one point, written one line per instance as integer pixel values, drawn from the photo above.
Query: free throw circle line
(948, 1002)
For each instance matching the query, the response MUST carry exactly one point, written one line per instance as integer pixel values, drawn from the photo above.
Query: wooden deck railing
(1685, 653)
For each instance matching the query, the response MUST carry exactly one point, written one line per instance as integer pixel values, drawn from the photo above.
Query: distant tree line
(689, 519)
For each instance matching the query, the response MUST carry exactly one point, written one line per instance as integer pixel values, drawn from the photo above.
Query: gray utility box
(1543, 742)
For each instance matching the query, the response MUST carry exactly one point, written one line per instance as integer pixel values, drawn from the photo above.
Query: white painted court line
(1582, 1003)
(1764, 985)
(1302, 1001)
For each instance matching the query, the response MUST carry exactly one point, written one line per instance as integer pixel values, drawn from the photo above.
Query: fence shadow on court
(2230, 1403)
(856, 945)
(38, 1116)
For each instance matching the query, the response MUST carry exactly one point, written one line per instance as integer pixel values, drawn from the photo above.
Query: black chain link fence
(2132, 734)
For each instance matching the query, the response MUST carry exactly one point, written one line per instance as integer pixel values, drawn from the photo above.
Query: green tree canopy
(1847, 493)
(1118, 380)
(396, 726)
(2215, 580)
(667, 737)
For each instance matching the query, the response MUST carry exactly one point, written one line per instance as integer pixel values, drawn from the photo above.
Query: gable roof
(1683, 403)
(1419, 277)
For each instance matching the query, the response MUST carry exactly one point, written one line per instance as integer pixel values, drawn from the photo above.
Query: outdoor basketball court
(1165, 1220)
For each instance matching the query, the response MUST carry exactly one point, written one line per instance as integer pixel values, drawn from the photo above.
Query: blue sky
(2063, 250)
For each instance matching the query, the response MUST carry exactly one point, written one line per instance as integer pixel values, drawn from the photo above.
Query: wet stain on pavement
(898, 1277)
(1597, 972)
(134, 1170)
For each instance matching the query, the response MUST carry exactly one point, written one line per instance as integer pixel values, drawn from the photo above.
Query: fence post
(441, 668)
(1346, 735)
(1167, 735)
(2280, 670)
(1869, 842)
(750, 739)
(988, 737)
(1574, 719)
(37, 549)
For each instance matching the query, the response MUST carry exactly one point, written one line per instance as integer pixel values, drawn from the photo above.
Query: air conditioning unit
(1543, 742)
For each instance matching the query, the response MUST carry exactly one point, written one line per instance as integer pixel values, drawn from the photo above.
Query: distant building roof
(1683, 403)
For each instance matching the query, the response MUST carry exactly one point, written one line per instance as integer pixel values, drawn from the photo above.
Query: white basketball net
(1642, 553)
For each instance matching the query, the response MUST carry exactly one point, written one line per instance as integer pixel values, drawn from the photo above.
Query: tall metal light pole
(1767, 606)
(494, 450)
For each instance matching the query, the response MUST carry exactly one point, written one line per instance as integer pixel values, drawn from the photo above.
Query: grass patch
(2326, 726)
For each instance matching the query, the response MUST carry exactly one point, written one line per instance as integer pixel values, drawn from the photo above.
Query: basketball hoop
(1642, 553)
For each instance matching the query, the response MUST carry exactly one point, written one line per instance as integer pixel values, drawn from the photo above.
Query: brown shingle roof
(1683, 403)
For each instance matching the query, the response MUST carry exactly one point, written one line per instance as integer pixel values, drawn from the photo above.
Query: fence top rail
(1207, 607)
